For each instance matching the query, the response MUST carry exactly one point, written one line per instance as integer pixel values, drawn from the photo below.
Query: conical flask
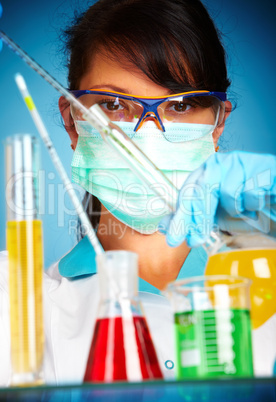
(121, 348)
(251, 255)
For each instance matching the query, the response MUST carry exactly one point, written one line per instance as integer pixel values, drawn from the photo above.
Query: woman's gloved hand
(233, 190)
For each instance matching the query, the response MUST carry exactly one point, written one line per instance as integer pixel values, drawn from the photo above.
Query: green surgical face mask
(101, 172)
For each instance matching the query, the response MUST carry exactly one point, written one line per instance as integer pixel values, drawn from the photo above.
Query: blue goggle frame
(150, 104)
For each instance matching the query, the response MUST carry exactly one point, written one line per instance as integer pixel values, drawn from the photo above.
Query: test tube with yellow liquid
(25, 254)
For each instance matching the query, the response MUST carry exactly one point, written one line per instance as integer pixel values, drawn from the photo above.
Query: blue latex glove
(233, 190)
(1, 10)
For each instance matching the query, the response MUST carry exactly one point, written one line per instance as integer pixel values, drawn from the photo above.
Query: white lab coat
(70, 309)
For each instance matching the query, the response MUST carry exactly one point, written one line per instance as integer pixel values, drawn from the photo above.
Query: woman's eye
(110, 105)
(180, 107)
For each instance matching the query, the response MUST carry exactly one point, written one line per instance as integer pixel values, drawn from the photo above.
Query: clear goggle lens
(204, 110)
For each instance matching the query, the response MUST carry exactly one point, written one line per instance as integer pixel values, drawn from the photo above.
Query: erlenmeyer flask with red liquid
(121, 348)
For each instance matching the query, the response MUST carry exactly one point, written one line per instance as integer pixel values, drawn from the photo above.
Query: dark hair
(173, 42)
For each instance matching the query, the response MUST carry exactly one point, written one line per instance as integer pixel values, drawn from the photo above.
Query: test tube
(25, 256)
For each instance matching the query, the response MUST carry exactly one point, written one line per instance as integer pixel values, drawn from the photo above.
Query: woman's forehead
(110, 74)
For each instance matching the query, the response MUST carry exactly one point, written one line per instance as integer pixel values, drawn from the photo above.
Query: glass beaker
(212, 326)
(25, 257)
(122, 348)
(251, 255)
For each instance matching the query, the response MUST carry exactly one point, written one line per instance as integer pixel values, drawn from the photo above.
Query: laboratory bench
(218, 390)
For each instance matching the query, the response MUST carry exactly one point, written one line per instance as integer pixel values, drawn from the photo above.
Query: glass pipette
(111, 133)
(58, 164)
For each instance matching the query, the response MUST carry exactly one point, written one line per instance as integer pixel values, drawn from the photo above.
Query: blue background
(249, 34)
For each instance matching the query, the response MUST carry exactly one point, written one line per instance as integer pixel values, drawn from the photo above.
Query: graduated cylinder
(25, 251)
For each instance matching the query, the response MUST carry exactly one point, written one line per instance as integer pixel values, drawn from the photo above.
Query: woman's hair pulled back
(173, 42)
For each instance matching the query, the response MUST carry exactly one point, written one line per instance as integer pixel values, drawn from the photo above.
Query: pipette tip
(20, 82)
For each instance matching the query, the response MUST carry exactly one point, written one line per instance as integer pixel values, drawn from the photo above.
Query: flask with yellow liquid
(25, 254)
(251, 255)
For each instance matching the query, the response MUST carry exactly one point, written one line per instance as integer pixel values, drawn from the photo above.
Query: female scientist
(158, 71)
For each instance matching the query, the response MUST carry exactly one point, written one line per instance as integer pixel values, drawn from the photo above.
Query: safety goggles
(194, 107)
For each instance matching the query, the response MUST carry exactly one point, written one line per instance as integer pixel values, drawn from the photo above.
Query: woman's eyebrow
(110, 87)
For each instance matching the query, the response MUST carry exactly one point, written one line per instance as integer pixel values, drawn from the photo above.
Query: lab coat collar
(81, 262)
